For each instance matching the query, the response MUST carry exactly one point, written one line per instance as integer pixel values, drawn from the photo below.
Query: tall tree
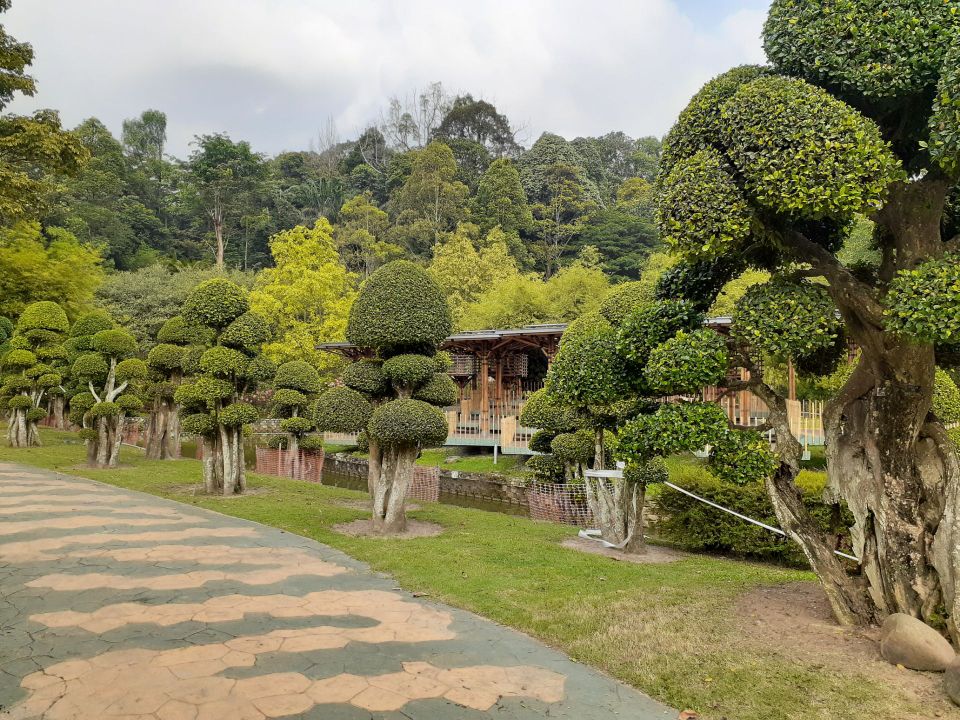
(361, 235)
(33, 149)
(144, 139)
(536, 168)
(784, 159)
(501, 201)
(224, 179)
(401, 316)
(410, 121)
(431, 199)
(561, 215)
(306, 296)
(478, 121)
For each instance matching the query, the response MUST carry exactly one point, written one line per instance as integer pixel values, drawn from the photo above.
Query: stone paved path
(118, 605)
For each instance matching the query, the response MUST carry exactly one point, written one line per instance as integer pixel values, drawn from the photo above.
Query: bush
(367, 376)
(946, 398)
(407, 423)
(400, 307)
(652, 472)
(298, 375)
(130, 404)
(342, 410)
(545, 468)
(540, 441)
(576, 447)
(409, 370)
(687, 362)
(223, 362)
(131, 369)
(247, 333)
(297, 425)
(697, 526)
(647, 327)
(114, 343)
(199, 424)
(92, 323)
(177, 331)
(90, 366)
(311, 442)
(440, 390)
(286, 398)
(215, 303)
(237, 414)
(19, 359)
(260, 369)
(544, 412)
(43, 315)
(19, 402)
(166, 357)
(104, 409)
(621, 300)
(36, 415)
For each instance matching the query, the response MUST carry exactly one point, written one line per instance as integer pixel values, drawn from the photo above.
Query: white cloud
(272, 71)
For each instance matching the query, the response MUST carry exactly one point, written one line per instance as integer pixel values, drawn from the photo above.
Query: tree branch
(93, 391)
(847, 291)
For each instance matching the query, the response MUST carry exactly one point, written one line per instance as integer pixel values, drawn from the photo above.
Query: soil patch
(364, 528)
(365, 505)
(654, 554)
(795, 621)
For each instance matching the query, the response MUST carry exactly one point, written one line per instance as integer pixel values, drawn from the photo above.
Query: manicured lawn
(667, 629)
(505, 465)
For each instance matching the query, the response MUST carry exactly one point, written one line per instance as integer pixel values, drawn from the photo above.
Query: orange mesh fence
(554, 502)
(299, 464)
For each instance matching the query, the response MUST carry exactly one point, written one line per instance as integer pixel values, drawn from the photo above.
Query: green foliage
(90, 366)
(260, 369)
(343, 410)
(114, 343)
(19, 359)
(215, 303)
(43, 315)
(674, 428)
(698, 126)
(19, 402)
(946, 398)
(408, 371)
(104, 410)
(574, 447)
(878, 49)
(166, 357)
(130, 404)
(132, 370)
(298, 375)
(540, 441)
(238, 414)
(648, 326)
(623, 299)
(587, 370)
(199, 424)
(687, 362)
(696, 526)
(652, 472)
(286, 398)
(399, 308)
(924, 302)
(206, 389)
(742, 457)
(247, 333)
(36, 415)
(786, 319)
(544, 411)
(91, 323)
(500, 200)
(818, 157)
(48, 381)
(440, 390)
(177, 331)
(224, 362)
(944, 140)
(408, 423)
(700, 209)
(367, 376)
(297, 425)
(545, 468)
(699, 281)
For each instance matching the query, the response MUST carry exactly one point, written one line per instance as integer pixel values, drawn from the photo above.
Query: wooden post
(745, 396)
(484, 394)
(791, 381)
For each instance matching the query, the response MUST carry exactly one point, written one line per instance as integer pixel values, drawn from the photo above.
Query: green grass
(667, 629)
(505, 465)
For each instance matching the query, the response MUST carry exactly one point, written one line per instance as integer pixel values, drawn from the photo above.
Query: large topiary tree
(29, 368)
(296, 384)
(771, 166)
(401, 317)
(212, 401)
(109, 377)
(175, 356)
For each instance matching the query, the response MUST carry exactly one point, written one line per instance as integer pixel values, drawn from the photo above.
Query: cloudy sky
(273, 71)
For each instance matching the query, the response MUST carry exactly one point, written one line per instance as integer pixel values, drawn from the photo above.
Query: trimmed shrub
(237, 414)
(114, 343)
(286, 398)
(540, 441)
(298, 375)
(342, 410)
(224, 362)
(440, 390)
(132, 369)
(215, 303)
(166, 357)
(92, 323)
(576, 447)
(408, 423)
(409, 370)
(199, 424)
(44, 315)
(367, 376)
(297, 425)
(247, 333)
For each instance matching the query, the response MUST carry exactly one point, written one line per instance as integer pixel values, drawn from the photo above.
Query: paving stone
(118, 604)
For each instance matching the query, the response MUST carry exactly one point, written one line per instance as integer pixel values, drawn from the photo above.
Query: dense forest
(513, 234)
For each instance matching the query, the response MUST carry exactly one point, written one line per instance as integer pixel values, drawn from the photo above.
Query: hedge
(697, 526)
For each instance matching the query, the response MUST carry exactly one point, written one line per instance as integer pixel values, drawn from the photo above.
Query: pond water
(350, 481)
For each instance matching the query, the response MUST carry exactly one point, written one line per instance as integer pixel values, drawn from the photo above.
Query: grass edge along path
(666, 629)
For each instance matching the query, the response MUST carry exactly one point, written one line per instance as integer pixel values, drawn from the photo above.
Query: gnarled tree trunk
(617, 509)
(163, 431)
(389, 487)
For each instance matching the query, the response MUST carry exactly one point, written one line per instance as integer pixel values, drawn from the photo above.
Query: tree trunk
(20, 432)
(163, 431)
(390, 491)
(231, 460)
(218, 231)
(212, 465)
(57, 411)
(617, 509)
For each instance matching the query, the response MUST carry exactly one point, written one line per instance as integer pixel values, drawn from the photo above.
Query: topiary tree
(175, 356)
(401, 316)
(212, 401)
(297, 383)
(772, 166)
(111, 378)
(34, 349)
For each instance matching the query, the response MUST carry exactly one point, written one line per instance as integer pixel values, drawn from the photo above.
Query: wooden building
(496, 370)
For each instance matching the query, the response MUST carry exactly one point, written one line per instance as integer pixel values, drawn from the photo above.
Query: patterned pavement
(117, 605)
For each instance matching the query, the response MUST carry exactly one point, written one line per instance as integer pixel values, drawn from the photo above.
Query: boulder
(951, 680)
(907, 641)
